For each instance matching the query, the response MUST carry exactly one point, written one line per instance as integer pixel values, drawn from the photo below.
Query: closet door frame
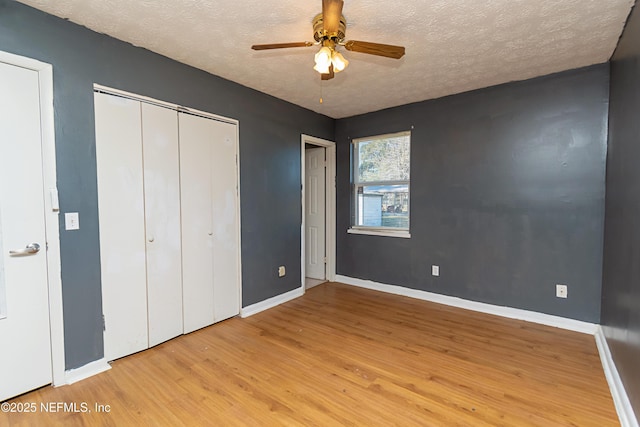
(124, 94)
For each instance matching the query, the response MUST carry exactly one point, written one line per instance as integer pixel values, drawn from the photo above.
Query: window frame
(356, 184)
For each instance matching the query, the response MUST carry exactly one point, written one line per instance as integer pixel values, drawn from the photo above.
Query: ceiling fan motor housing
(319, 33)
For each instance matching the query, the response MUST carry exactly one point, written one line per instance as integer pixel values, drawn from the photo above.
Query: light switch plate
(71, 221)
(435, 270)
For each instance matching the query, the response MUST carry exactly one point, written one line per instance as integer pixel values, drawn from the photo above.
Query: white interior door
(122, 224)
(162, 214)
(25, 359)
(315, 212)
(196, 151)
(226, 245)
(210, 221)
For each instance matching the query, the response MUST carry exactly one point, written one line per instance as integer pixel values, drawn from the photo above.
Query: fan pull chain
(321, 92)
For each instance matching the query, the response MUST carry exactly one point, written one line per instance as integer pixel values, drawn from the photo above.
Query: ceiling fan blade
(331, 14)
(280, 45)
(387, 50)
(328, 76)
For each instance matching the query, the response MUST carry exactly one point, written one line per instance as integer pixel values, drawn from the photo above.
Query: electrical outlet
(561, 291)
(281, 271)
(435, 270)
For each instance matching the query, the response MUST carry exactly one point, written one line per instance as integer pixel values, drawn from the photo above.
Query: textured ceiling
(452, 46)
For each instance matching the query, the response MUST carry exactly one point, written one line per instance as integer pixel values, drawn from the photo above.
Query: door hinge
(104, 324)
(325, 260)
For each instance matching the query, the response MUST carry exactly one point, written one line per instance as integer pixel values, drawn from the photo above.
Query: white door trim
(45, 78)
(330, 205)
(180, 108)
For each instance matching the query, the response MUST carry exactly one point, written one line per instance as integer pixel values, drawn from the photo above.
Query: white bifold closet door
(162, 222)
(210, 240)
(139, 212)
(121, 216)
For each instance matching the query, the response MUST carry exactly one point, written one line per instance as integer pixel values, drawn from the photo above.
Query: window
(381, 185)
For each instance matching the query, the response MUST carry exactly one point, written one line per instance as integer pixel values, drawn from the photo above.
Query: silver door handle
(31, 248)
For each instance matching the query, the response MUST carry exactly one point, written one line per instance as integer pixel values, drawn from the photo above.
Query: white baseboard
(86, 371)
(620, 398)
(509, 312)
(271, 302)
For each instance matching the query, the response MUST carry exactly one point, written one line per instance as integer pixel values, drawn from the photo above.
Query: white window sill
(377, 232)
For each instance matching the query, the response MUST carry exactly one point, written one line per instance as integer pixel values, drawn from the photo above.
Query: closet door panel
(121, 224)
(197, 226)
(162, 215)
(226, 268)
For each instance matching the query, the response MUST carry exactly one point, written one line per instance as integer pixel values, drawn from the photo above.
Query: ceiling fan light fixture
(323, 58)
(339, 62)
(329, 29)
(328, 56)
(322, 69)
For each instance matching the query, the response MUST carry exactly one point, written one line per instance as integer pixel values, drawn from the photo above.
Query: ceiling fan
(329, 29)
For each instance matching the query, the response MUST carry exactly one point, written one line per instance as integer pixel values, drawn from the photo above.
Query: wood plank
(342, 355)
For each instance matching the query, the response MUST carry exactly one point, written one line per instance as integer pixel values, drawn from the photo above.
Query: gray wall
(269, 154)
(621, 275)
(507, 195)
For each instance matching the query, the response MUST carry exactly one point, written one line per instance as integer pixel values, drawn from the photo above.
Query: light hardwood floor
(341, 355)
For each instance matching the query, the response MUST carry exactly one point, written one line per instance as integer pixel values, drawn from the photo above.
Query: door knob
(31, 248)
